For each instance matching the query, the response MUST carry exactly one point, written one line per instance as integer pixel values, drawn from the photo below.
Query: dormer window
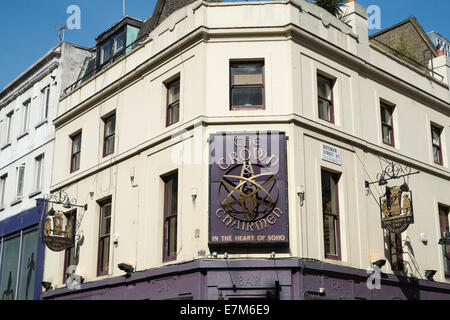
(112, 47)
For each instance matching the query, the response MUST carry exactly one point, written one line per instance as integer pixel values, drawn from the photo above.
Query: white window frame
(39, 172)
(8, 128)
(26, 116)
(2, 189)
(45, 102)
(19, 167)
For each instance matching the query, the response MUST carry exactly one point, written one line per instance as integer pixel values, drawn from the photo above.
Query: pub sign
(396, 210)
(248, 189)
(59, 231)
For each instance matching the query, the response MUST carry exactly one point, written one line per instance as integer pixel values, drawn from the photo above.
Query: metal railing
(411, 61)
(120, 54)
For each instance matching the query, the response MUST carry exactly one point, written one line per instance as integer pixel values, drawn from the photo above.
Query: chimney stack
(357, 15)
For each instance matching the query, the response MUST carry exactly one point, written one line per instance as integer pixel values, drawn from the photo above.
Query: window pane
(174, 113)
(9, 128)
(110, 126)
(247, 74)
(436, 154)
(20, 178)
(324, 110)
(76, 146)
(174, 92)
(170, 224)
(119, 42)
(172, 241)
(386, 134)
(104, 263)
(109, 147)
(444, 224)
(28, 266)
(2, 192)
(324, 88)
(436, 133)
(76, 162)
(46, 100)
(330, 235)
(386, 115)
(9, 269)
(106, 52)
(39, 166)
(247, 96)
(329, 193)
(25, 115)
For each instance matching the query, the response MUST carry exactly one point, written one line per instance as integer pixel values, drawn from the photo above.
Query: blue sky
(28, 28)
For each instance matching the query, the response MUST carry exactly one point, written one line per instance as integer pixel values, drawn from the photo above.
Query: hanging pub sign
(396, 209)
(248, 185)
(59, 230)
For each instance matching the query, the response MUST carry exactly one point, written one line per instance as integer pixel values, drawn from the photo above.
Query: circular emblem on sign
(247, 195)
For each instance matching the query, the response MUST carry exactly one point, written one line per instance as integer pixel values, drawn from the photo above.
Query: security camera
(127, 268)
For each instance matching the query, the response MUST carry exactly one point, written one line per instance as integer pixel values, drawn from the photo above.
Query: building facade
(243, 150)
(28, 106)
(439, 40)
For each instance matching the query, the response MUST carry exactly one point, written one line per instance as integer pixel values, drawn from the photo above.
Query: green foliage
(333, 7)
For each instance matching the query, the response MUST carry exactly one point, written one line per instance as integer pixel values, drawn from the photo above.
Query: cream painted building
(133, 143)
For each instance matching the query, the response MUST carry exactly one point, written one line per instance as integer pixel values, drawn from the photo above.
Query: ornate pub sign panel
(59, 231)
(248, 189)
(396, 210)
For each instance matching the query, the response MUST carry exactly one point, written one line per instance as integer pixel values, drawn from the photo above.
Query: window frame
(446, 209)
(45, 102)
(67, 258)
(38, 177)
(9, 127)
(3, 179)
(112, 135)
(170, 106)
(336, 215)
(101, 237)
(262, 85)
(168, 216)
(26, 106)
(78, 153)
(439, 145)
(114, 51)
(332, 82)
(18, 168)
(390, 126)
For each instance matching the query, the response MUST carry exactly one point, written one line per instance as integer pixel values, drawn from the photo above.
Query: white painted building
(28, 106)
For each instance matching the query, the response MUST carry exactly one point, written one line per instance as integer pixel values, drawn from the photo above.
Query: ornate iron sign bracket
(62, 198)
(392, 171)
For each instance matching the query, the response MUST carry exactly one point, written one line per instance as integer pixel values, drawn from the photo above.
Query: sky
(29, 28)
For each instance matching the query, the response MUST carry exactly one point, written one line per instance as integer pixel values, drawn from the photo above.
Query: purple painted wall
(214, 279)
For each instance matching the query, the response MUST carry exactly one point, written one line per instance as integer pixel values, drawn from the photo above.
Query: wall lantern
(445, 243)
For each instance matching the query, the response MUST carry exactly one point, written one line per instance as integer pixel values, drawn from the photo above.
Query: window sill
(239, 108)
(34, 194)
(22, 135)
(16, 202)
(6, 146)
(40, 123)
